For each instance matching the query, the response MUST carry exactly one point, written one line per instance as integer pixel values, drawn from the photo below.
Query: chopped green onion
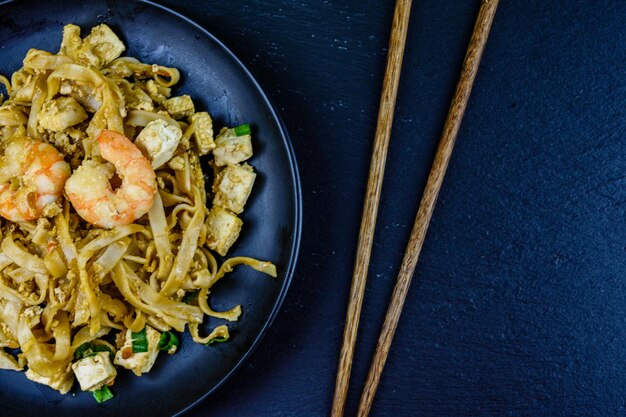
(190, 296)
(87, 350)
(82, 351)
(242, 130)
(217, 340)
(139, 341)
(168, 340)
(103, 394)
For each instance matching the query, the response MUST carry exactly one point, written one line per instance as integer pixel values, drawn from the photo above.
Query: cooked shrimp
(90, 190)
(32, 174)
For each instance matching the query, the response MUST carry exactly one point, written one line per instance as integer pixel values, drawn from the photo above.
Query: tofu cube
(100, 47)
(203, 132)
(95, 371)
(62, 381)
(179, 107)
(232, 187)
(61, 113)
(230, 148)
(223, 229)
(158, 141)
(140, 362)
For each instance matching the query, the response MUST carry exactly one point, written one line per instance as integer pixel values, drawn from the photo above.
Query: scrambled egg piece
(140, 362)
(159, 141)
(203, 132)
(70, 142)
(179, 107)
(232, 187)
(95, 371)
(230, 148)
(61, 113)
(223, 229)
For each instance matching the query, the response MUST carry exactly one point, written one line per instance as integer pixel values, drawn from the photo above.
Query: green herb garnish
(242, 130)
(103, 394)
(139, 341)
(89, 349)
(168, 340)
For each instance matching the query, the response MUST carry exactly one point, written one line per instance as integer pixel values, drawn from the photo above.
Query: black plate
(217, 81)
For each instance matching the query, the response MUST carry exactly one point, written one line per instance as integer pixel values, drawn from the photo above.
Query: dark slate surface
(519, 302)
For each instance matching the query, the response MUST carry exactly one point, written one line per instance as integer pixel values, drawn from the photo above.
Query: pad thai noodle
(107, 233)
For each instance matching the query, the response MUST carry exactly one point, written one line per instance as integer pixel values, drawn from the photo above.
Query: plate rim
(297, 193)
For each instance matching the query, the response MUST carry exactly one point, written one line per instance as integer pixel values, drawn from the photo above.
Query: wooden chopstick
(427, 205)
(372, 197)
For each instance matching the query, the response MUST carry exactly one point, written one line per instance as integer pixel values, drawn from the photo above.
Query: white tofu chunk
(179, 107)
(141, 362)
(232, 187)
(230, 148)
(61, 381)
(159, 140)
(100, 47)
(95, 371)
(223, 229)
(203, 132)
(61, 113)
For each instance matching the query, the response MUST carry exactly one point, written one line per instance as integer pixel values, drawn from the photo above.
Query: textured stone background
(518, 307)
(519, 303)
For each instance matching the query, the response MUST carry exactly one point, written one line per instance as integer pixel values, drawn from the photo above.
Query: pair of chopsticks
(427, 205)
